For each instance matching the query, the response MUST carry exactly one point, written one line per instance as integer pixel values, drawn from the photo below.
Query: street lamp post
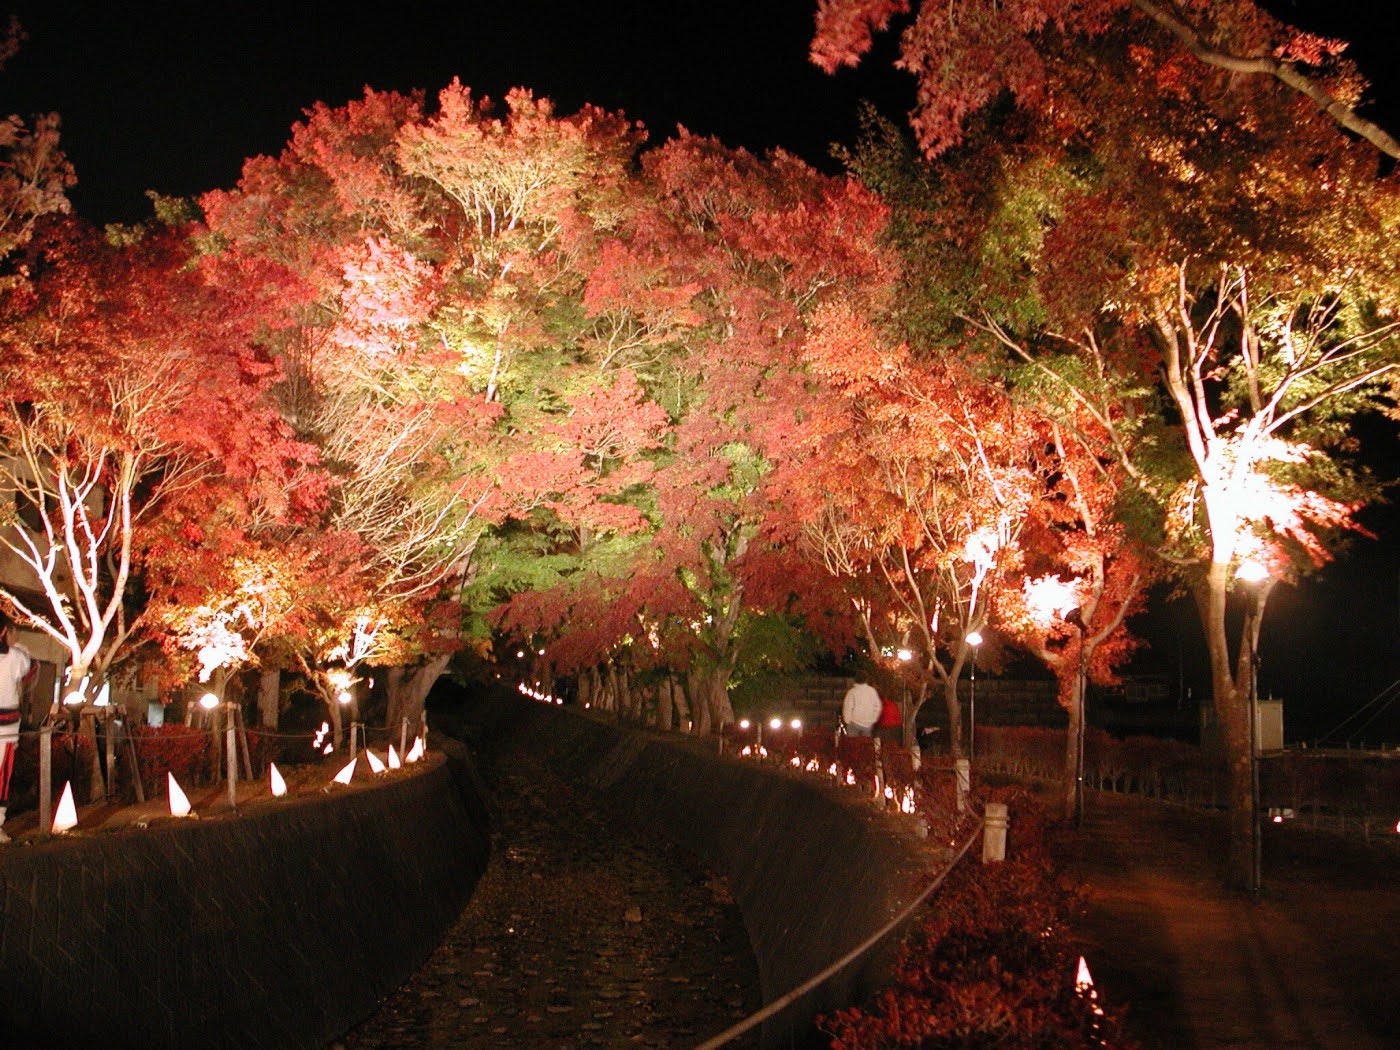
(1255, 574)
(1081, 678)
(974, 639)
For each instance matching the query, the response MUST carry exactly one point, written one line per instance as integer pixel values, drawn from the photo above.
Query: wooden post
(231, 755)
(46, 776)
(129, 739)
(964, 775)
(994, 825)
(403, 738)
(243, 741)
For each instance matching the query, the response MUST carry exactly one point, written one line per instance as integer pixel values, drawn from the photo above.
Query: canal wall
(814, 871)
(279, 927)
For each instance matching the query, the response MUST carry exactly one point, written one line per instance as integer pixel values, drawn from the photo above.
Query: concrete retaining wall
(814, 872)
(281, 927)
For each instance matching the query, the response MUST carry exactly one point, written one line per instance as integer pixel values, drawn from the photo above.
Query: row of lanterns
(66, 815)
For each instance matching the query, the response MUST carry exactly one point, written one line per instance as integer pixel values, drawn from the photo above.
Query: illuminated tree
(1197, 259)
(926, 496)
(715, 275)
(34, 173)
(964, 54)
(1082, 577)
(134, 401)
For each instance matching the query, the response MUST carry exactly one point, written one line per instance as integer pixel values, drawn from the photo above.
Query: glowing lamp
(279, 786)
(342, 697)
(394, 761)
(1082, 981)
(541, 652)
(66, 818)
(776, 723)
(748, 750)
(1251, 571)
(208, 701)
(974, 638)
(179, 801)
(343, 777)
(905, 655)
(743, 723)
(797, 761)
(375, 765)
(796, 723)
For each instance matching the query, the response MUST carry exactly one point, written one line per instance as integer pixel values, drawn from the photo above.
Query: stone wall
(814, 871)
(280, 927)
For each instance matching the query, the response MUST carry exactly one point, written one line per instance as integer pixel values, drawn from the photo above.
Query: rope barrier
(777, 1005)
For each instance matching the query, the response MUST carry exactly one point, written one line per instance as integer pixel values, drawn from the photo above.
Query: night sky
(173, 98)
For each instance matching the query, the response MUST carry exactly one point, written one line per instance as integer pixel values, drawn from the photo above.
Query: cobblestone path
(580, 934)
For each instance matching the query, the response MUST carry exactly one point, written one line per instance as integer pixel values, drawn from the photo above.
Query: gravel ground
(579, 934)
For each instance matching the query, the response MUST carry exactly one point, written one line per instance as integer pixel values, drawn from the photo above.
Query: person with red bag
(889, 727)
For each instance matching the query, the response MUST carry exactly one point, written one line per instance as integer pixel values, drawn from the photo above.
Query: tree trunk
(954, 708)
(1071, 786)
(665, 708)
(1231, 689)
(337, 723)
(269, 697)
(409, 693)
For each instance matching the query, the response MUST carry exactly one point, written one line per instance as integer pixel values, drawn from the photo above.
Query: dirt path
(1312, 964)
(579, 934)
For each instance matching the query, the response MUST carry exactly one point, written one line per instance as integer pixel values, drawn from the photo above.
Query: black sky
(174, 97)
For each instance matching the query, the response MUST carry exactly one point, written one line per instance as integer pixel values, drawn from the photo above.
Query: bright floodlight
(796, 723)
(343, 777)
(208, 701)
(66, 819)
(1252, 571)
(179, 801)
(974, 638)
(279, 786)
(775, 723)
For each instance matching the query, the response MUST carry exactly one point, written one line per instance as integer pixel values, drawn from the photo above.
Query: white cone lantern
(375, 765)
(394, 761)
(343, 777)
(279, 786)
(416, 751)
(179, 801)
(66, 819)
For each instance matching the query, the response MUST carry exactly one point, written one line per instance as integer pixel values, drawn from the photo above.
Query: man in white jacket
(860, 709)
(16, 665)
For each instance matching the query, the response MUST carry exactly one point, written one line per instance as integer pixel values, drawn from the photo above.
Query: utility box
(1268, 727)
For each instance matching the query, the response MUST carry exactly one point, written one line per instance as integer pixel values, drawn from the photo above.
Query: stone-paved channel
(580, 934)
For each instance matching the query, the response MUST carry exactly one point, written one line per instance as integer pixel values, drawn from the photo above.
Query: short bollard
(964, 774)
(994, 824)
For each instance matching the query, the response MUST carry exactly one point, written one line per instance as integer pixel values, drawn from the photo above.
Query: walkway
(1312, 964)
(581, 933)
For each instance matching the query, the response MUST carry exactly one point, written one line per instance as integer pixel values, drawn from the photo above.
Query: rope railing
(856, 953)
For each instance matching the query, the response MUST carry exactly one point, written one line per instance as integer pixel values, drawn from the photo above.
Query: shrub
(992, 964)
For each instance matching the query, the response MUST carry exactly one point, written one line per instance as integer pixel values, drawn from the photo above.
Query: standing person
(16, 666)
(889, 727)
(860, 710)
